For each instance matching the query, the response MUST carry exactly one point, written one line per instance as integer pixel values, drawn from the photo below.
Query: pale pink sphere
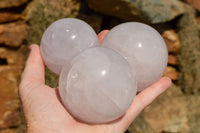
(99, 87)
(63, 40)
(143, 48)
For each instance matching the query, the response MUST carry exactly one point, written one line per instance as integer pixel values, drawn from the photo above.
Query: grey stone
(154, 11)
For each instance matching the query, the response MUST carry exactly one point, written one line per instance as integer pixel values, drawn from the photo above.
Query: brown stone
(12, 118)
(171, 72)
(189, 56)
(8, 131)
(172, 59)
(8, 93)
(13, 130)
(139, 125)
(194, 3)
(194, 113)
(13, 34)
(9, 80)
(172, 41)
(168, 113)
(13, 58)
(11, 3)
(8, 17)
(171, 112)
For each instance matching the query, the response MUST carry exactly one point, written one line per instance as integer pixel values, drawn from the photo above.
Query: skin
(44, 113)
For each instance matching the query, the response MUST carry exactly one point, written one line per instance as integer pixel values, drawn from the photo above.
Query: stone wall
(13, 31)
(22, 22)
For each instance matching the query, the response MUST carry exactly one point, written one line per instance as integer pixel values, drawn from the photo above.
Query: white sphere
(99, 87)
(63, 40)
(143, 48)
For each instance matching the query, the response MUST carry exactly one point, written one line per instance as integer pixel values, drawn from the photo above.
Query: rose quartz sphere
(98, 84)
(63, 40)
(99, 87)
(143, 48)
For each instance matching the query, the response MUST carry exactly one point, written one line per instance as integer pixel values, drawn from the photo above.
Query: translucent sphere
(63, 40)
(99, 87)
(143, 48)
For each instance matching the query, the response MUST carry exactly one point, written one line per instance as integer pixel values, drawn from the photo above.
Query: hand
(44, 112)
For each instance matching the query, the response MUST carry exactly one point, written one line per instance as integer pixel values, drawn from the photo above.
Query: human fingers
(101, 35)
(34, 68)
(148, 95)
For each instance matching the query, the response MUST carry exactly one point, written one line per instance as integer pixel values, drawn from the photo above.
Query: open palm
(45, 113)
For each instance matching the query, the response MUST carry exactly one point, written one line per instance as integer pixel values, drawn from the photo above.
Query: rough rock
(8, 131)
(193, 106)
(11, 3)
(8, 17)
(41, 13)
(12, 130)
(171, 72)
(9, 80)
(194, 3)
(189, 57)
(167, 114)
(154, 11)
(173, 59)
(13, 34)
(13, 58)
(119, 8)
(11, 118)
(172, 41)
(139, 125)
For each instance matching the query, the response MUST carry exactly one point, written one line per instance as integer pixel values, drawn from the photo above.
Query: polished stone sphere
(143, 48)
(98, 83)
(63, 40)
(98, 87)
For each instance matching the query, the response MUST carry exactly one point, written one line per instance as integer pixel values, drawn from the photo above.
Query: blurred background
(22, 22)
